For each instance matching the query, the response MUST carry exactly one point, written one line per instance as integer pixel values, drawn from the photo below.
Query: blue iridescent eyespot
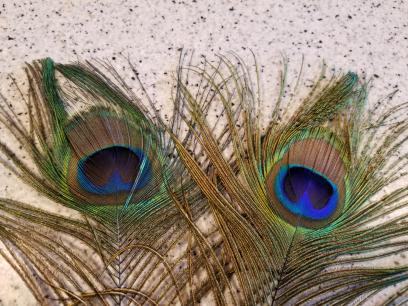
(306, 192)
(114, 169)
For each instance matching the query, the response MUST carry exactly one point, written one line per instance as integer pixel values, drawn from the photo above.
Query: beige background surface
(368, 37)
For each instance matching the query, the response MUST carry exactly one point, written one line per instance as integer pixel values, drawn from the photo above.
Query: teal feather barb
(224, 203)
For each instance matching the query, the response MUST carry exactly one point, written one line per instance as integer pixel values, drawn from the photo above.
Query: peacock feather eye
(306, 185)
(111, 170)
(306, 192)
(105, 151)
(110, 160)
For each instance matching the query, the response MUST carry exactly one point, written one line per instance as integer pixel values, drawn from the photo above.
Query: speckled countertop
(368, 37)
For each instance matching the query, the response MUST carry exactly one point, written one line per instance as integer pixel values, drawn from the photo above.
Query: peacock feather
(225, 203)
(113, 164)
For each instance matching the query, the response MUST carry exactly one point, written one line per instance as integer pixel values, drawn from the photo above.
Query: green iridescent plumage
(224, 204)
